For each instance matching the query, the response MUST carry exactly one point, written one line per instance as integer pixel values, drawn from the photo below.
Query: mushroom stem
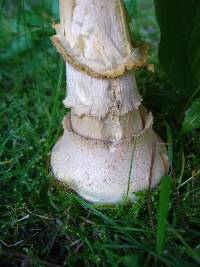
(95, 156)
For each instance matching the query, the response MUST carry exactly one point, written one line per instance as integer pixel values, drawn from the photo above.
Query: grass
(163, 213)
(42, 224)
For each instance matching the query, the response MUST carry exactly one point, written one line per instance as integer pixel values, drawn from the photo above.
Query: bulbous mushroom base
(108, 173)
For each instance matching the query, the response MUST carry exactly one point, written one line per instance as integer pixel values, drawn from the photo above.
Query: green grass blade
(170, 145)
(131, 165)
(58, 89)
(163, 213)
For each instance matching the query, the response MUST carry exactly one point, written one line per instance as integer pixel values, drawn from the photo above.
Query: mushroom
(108, 150)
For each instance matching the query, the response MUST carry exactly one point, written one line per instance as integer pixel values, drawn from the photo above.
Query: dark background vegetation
(42, 224)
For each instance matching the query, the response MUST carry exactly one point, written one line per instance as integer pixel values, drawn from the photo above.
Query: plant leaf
(179, 50)
(192, 117)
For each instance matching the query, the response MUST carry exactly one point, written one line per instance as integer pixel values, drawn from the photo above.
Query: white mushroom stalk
(109, 150)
